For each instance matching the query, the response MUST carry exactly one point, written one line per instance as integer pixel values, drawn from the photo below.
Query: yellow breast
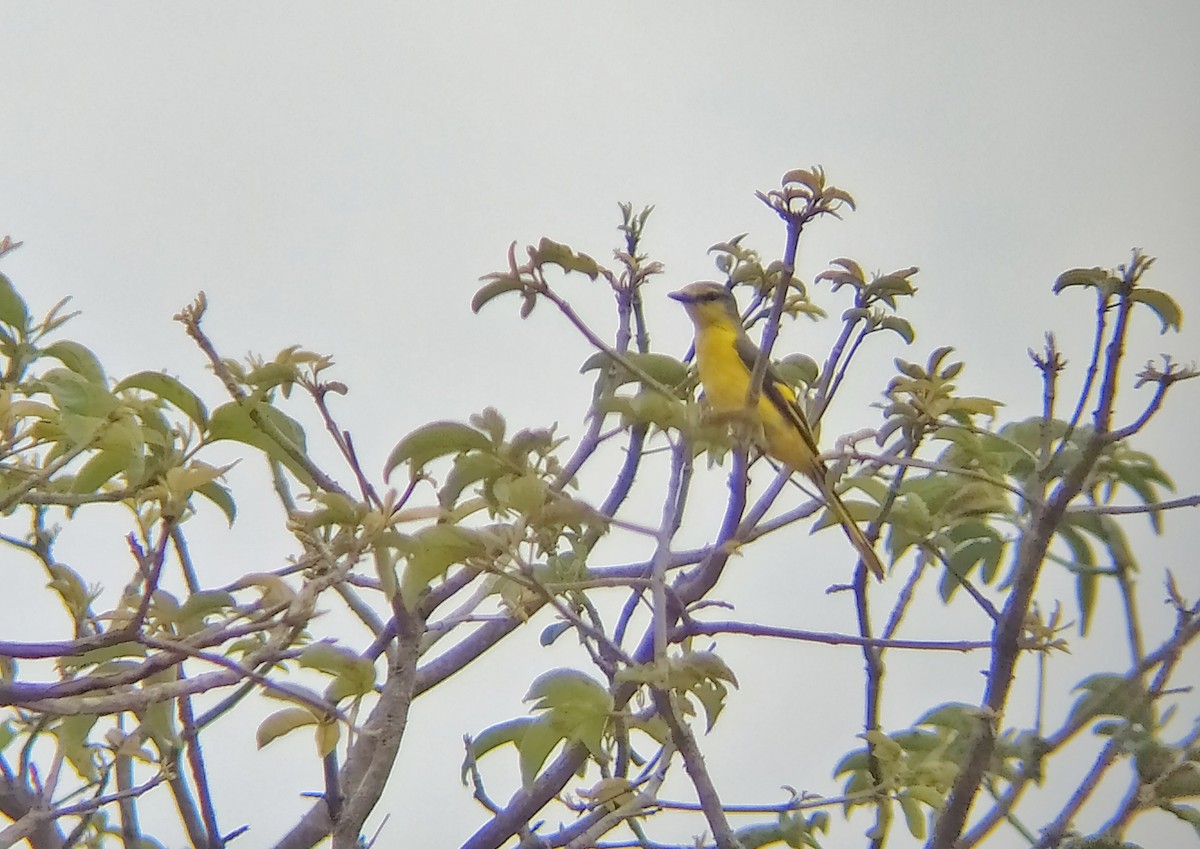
(726, 379)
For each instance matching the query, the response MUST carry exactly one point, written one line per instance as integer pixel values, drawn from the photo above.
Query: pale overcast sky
(340, 175)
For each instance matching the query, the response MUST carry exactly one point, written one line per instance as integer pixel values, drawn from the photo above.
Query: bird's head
(708, 303)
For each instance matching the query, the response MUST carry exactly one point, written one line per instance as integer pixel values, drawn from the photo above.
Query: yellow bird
(725, 357)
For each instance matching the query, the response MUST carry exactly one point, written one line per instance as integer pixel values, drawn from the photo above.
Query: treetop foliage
(472, 532)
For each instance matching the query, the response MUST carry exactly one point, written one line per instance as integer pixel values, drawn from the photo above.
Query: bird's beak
(678, 296)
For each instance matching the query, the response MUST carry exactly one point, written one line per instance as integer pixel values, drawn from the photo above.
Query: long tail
(853, 532)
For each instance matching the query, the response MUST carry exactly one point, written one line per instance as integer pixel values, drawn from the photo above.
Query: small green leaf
(221, 496)
(431, 441)
(72, 733)
(493, 737)
(797, 369)
(95, 657)
(539, 739)
(98, 470)
(577, 707)
(283, 722)
(353, 675)
(559, 688)
(550, 252)
(899, 326)
(852, 762)
(233, 422)
(860, 511)
(665, 369)
(328, 658)
(813, 180)
(326, 734)
(1094, 278)
(77, 358)
(469, 468)
(1086, 583)
(433, 550)
(956, 716)
(968, 551)
(13, 311)
(74, 393)
(170, 390)
(913, 816)
(125, 435)
(553, 631)
(973, 405)
(272, 374)
(202, 604)
(1186, 813)
(1164, 306)
(1111, 695)
(497, 287)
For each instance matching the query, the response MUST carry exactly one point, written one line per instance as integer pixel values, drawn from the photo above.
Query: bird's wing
(778, 393)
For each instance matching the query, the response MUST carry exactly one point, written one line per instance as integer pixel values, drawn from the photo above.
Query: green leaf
(13, 311)
(667, 370)
(328, 658)
(552, 632)
(221, 496)
(860, 511)
(125, 435)
(158, 719)
(975, 543)
(973, 405)
(272, 374)
(539, 739)
(98, 470)
(327, 733)
(797, 369)
(1186, 813)
(913, 816)
(1081, 549)
(497, 287)
(353, 675)
(1086, 584)
(490, 422)
(200, 605)
(1093, 278)
(77, 358)
(559, 688)
(887, 286)
(1164, 306)
(72, 734)
(433, 550)
(95, 657)
(549, 251)
(469, 468)
(431, 441)
(1181, 782)
(899, 326)
(74, 393)
(170, 390)
(283, 722)
(577, 707)
(956, 716)
(1111, 695)
(181, 481)
(493, 737)
(525, 494)
(813, 180)
(233, 422)
(855, 761)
